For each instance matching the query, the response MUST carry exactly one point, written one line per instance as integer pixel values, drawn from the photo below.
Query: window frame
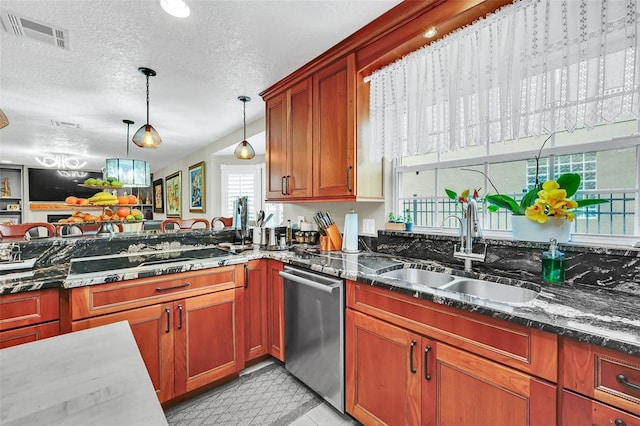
(485, 160)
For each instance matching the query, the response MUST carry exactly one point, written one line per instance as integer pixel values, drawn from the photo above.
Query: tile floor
(239, 402)
(324, 415)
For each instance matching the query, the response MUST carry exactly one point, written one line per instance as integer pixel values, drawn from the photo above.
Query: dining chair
(31, 228)
(227, 222)
(183, 224)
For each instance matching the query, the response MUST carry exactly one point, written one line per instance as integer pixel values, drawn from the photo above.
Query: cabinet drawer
(27, 334)
(107, 298)
(28, 308)
(603, 374)
(578, 410)
(524, 348)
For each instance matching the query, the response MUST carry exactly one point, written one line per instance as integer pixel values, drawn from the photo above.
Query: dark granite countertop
(603, 317)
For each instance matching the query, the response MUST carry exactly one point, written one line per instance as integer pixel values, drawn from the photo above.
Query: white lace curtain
(531, 68)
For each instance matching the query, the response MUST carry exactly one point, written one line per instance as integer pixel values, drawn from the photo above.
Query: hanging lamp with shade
(244, 150)
(131, 173)
(147, 136)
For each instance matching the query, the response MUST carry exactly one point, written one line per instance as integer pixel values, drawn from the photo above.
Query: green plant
(407, 217)
(463, 198)
(550, 199)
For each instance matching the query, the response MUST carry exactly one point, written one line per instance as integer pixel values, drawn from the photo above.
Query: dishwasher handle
(308, 282)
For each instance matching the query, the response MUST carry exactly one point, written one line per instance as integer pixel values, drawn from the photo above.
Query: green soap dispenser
(553, 264)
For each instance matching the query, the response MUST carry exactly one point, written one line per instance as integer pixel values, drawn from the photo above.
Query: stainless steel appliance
(314, 332)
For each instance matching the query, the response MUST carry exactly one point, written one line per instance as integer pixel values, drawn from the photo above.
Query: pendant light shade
(244, 150)
(131, 173)
(147, 136)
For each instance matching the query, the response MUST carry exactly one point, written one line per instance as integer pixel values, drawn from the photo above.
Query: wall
(212, 170)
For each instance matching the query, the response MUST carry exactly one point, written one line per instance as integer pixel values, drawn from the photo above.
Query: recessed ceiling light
(177, 8)
(430, 33)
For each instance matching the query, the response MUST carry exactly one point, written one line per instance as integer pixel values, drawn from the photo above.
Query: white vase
(525, 229)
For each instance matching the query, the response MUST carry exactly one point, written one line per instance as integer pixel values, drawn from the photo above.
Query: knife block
(335, 238)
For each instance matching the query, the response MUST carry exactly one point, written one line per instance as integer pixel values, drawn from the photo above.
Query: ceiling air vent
(25, 27)
(65, 124)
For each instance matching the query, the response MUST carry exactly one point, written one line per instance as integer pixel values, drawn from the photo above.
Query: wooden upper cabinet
(289, 143)
(276, 155)
(311, 139)
(334, 130)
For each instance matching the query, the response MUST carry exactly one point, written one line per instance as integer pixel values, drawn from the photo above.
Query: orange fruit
(133, 199)
(123, 211)
(70, 200)
(123, 199)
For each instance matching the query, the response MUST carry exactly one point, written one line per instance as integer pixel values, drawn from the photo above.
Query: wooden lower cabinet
(601, 374)
(578, 410)
(187, 339)
(255, 310)
(275, 309)
(29, 316)
(381, 389)
(29, 333)
(153, 331)
(397, 377)
(185, 344)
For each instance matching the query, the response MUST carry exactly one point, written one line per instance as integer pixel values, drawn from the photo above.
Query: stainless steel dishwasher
(314, 332)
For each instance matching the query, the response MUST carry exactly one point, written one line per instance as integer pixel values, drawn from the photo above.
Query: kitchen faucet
(466, 241)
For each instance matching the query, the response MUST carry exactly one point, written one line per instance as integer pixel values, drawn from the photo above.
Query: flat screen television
(56, 185)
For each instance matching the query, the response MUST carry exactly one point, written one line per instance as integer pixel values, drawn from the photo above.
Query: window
(240, 181)
(609, 169)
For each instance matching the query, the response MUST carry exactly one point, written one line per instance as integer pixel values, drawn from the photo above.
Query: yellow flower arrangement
(552, 201)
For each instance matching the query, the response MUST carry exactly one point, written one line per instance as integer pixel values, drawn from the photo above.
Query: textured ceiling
(204, 62)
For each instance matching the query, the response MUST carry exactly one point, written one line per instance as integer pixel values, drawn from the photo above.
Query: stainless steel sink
(492, 291)
(478, 288)
(420, 276)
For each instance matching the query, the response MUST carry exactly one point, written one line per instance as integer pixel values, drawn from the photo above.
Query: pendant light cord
(127, 140)
(147, 99)
(244, 119)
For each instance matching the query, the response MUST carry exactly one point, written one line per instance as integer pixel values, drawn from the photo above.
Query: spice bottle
(553, 264)
(289, 233)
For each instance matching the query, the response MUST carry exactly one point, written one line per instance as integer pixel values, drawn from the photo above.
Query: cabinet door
(275, 309)
(299, 180)
(383, 372)
(276, 146)
(207, 342)
(255, 310)
(578, 410)
(152, 328)
(334, 130)
(470, 390)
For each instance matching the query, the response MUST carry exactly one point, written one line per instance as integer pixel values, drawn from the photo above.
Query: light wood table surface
(90, 377)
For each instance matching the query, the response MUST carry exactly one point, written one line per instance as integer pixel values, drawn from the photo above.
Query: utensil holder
(335, 238)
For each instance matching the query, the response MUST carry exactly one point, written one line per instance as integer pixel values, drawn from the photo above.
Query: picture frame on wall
(174, 194)
(197, 189)
(158, 196)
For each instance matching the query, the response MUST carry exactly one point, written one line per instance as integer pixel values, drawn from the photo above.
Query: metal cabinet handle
(623, 379)
(283, 185)
(246, 276)
(619, 422)
(349, 188)
(179, 317)
(287, 181)
(186, 284)
(426, 363)
(413, 345)
(168, 312)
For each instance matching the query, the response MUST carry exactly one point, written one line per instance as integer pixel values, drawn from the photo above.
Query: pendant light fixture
(147, 136)
(244, 150)
(131, 173)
